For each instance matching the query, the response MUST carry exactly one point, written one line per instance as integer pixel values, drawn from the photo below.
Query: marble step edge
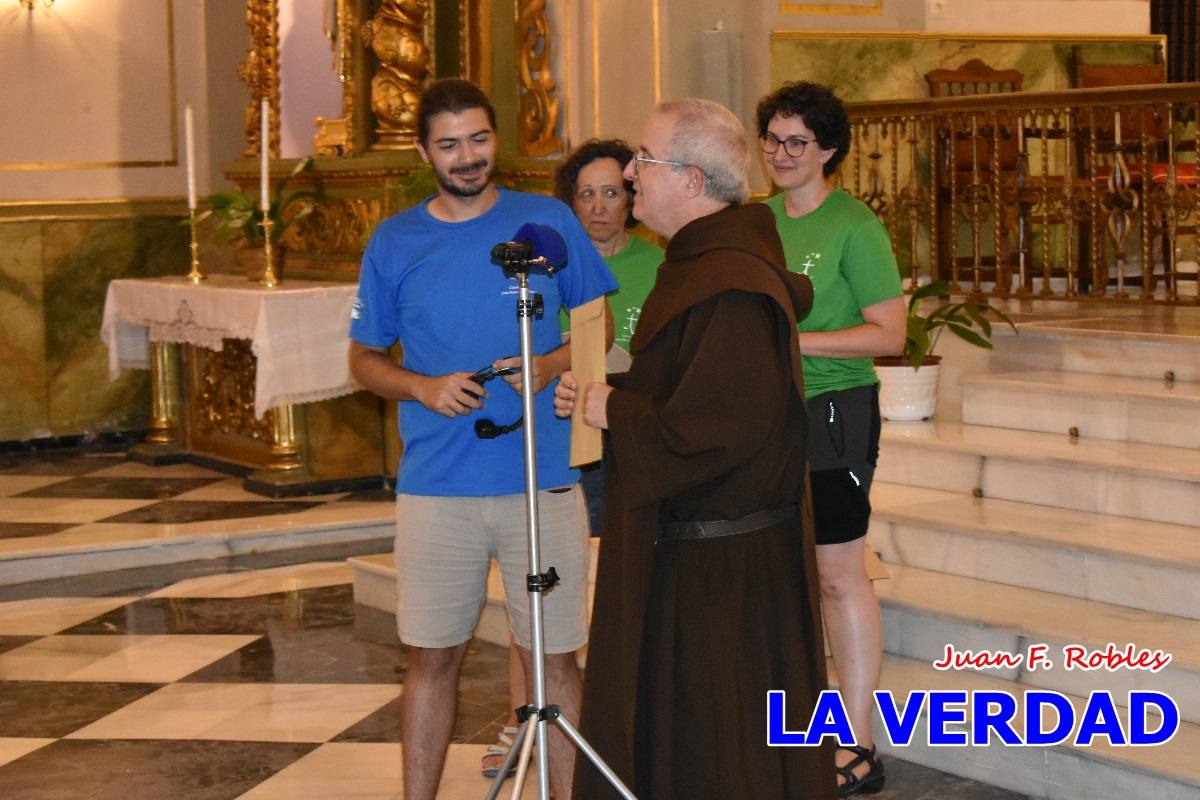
(1079, 384)
(1064, 330)
(925, 514)
(1011, 609)
(1176, 463)
(1169, 766)
(36, 564)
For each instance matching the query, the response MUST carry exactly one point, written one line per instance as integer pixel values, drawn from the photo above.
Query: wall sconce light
(31, 3)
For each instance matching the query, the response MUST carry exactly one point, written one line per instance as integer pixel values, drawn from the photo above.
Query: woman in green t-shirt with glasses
(857, 314)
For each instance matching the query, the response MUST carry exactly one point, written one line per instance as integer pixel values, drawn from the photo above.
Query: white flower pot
(907, 394)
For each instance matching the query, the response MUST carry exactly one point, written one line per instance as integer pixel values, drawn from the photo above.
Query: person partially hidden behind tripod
(706, 593)
(428, 282)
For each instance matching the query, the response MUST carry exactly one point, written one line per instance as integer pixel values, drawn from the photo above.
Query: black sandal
(871, 782)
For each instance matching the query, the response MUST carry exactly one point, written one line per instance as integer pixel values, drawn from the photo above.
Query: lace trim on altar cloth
(298, 398)
(184, 330)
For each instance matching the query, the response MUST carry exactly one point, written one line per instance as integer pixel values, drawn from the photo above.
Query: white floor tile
(373, 772)
(12, 748)
(64, 509)
(260, 712)
(128, 659)
(16, 484)
(261, 581)
(43, 616)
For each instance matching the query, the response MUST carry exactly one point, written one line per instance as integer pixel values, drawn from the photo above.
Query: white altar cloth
(298, 330)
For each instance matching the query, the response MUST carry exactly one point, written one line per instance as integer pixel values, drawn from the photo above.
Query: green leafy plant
(239, 218)
(966, 319)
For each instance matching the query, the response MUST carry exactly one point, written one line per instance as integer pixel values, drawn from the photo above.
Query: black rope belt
(675, 531)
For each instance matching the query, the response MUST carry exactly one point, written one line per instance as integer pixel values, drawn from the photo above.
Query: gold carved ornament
(396, 34)
(226, 389)
(335, 137)
(260, 72)
(332, 225)
(537, 112)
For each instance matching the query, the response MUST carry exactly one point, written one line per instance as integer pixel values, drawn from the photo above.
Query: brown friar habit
(688, 636)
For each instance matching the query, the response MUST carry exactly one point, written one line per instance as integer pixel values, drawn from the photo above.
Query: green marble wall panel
(870, 68)
(23, 406)
(80, 258)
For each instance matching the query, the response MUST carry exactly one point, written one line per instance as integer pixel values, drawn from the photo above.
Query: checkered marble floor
(259, 684)
(249, 676)
(58, 506)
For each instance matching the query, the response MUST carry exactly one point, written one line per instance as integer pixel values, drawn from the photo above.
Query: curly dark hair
(819, 108)
(454, 95)
(566, 177)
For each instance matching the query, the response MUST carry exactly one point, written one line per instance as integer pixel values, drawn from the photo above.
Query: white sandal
(496, 753)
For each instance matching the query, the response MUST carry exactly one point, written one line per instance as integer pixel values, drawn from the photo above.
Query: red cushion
(1185, 174)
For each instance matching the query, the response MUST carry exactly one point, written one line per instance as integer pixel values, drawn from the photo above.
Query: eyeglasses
(636, 159)
(794, 146)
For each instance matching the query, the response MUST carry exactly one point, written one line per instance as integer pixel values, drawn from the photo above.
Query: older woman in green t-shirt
(857, 313)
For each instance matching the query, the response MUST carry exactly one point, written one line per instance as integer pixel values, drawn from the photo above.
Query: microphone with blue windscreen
(535, 250)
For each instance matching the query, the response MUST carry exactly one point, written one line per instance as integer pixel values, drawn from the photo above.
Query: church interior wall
(92, 175)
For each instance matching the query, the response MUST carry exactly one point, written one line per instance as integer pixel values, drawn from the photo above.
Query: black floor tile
(178, 511)
(482, 708)
(325, 607)
(371, 495)
(25, 530)
(144, 580)
(321, 655)
(121, 488)
(67, 462)
(56, 708)
(131, 770)
(9, 642)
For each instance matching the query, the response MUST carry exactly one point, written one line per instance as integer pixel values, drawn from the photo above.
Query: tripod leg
(515, 750)
(594, 757)
(529, 729)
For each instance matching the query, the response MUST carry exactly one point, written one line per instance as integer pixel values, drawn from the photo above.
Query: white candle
(190, 139)
(264, 146)
(1117, 127)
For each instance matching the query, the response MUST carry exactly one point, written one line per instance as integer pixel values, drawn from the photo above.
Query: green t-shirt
(635, 268)
(846, 252)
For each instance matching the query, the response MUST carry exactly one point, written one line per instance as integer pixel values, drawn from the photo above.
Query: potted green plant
(239, 219)
(906, 391)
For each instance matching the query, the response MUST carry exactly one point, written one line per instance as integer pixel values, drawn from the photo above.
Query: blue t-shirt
(432, 286)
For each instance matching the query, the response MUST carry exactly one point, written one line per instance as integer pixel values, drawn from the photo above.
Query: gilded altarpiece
(385, 53)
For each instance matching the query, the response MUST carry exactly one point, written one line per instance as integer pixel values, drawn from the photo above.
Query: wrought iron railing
(1079, 194)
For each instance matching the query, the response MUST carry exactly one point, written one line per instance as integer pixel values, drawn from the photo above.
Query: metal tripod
(536, 718)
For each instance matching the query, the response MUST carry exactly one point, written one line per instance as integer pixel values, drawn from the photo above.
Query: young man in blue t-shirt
(428, 282)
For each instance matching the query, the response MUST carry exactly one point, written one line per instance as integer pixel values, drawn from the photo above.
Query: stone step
(1151, 566)
(104, 547)
(924, 611)
(1063, 772)
(1118, 407)
(1127, 479)
(1115, 344)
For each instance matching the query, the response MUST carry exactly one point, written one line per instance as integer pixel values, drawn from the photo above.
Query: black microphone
(486, 429)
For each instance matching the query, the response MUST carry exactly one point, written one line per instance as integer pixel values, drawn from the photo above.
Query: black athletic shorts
(843, 446)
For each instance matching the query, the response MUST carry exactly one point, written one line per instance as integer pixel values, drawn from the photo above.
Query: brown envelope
(587, 362)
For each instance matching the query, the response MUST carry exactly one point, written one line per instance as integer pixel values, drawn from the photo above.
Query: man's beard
(445, 180)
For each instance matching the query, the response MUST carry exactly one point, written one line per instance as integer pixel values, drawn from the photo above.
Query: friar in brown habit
(706, 592)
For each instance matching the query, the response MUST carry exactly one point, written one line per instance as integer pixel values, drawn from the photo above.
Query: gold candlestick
(269, 279)
(194, 276)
